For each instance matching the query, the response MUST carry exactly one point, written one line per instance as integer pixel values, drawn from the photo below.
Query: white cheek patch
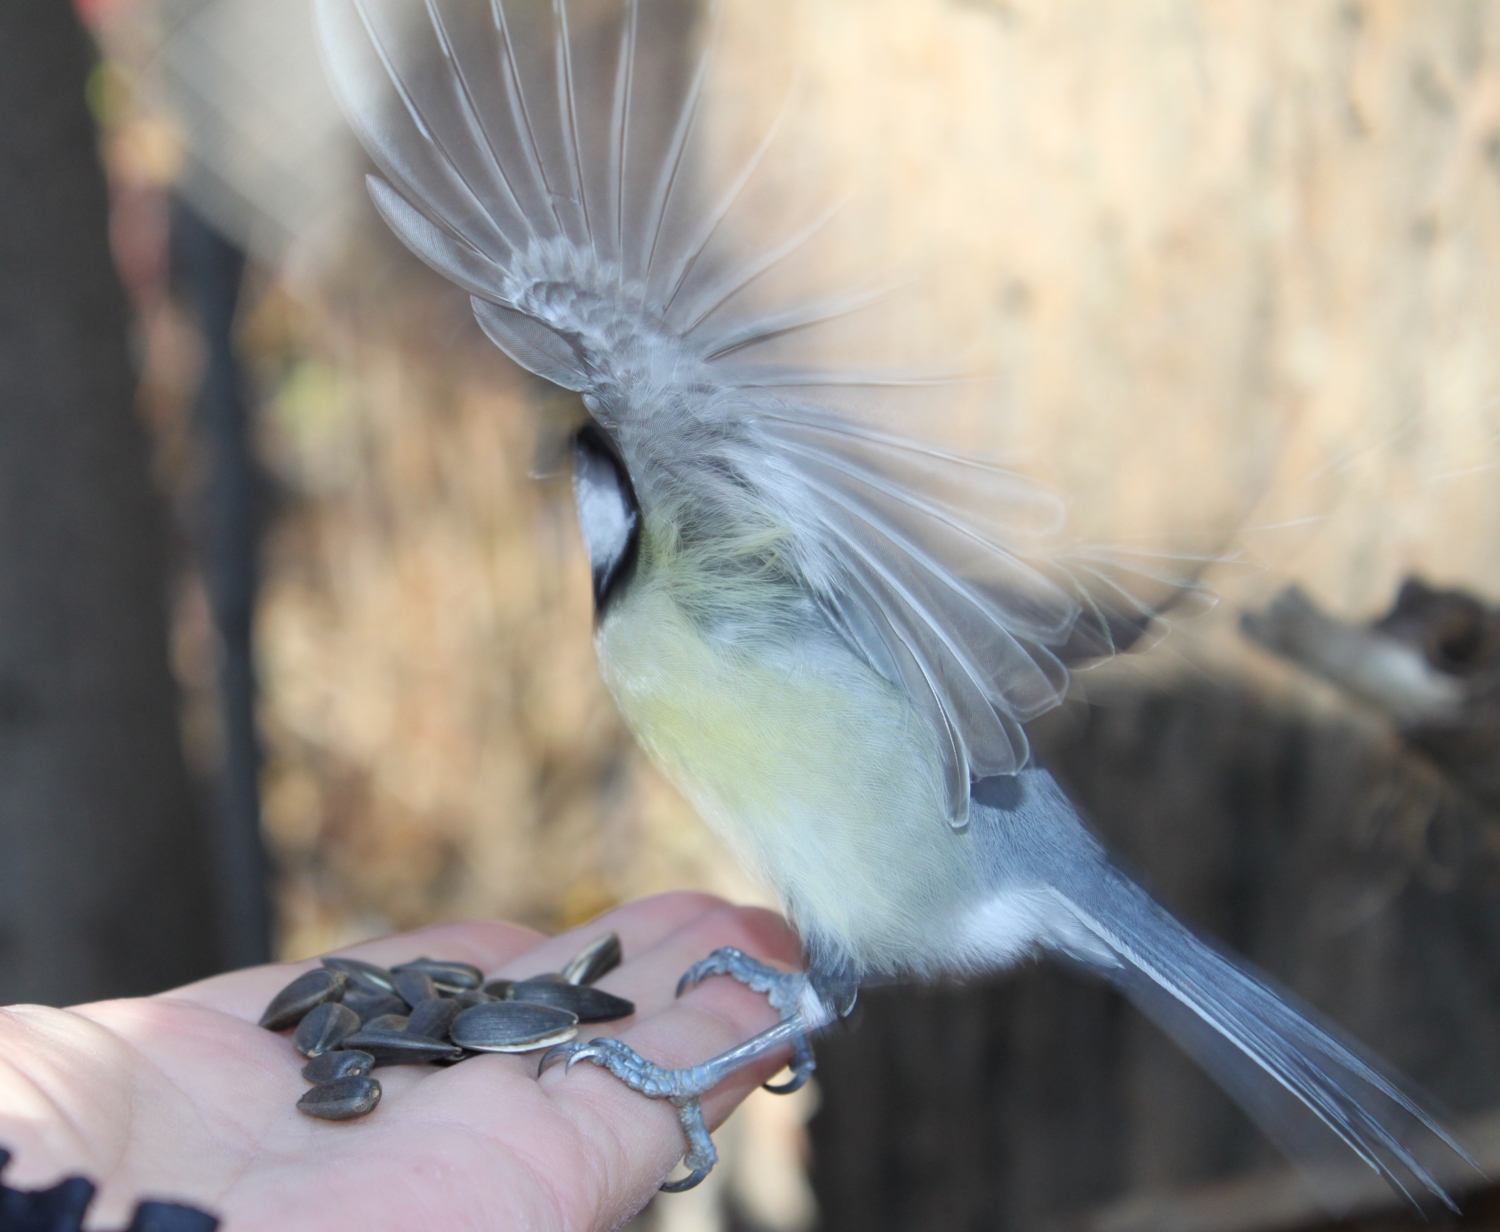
(606, 520)
(607, 513)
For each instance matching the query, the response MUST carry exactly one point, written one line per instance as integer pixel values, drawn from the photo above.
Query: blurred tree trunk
(104, 874)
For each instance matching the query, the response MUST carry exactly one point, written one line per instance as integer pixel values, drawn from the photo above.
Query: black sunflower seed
(414, 986)
(345, 1063)
(324, 1028)
(595, 960)
(473, 997)
(364, 974)
(370, 1005)
(399, 1047)
(512, 1026)
(343, 1099)
(590, 1004)
(499, 989)
(386, 1022)
(448, 976)
(433, 1018)
(307, 990)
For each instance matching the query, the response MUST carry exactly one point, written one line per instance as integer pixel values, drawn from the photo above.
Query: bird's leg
(683, 1087)
(787, 991)
(801, 1012)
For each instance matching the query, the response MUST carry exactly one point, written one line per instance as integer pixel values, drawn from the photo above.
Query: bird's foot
(682, 1087)
(787, 992)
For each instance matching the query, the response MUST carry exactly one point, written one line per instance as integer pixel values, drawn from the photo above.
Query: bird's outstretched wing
(547, 157)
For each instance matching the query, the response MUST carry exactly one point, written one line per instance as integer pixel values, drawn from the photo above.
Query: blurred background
(295, 643)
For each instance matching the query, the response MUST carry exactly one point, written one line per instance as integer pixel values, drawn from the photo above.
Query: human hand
(181, 1096)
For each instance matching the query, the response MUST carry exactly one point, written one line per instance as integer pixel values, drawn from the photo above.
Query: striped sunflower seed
(452, 977)
(312, 988)
(512, 1026)
(414, 987)
(589, 1004)
(345, 1063)
(400, 1047)
(370, 1005)
(433, 1018)
(343, 1099)
(595, 960)
(324, 1028)
(365, 975)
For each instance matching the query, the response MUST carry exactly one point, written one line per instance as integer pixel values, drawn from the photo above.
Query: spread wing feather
(555, 177)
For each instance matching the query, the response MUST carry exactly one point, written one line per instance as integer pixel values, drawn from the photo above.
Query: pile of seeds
(351, 1017)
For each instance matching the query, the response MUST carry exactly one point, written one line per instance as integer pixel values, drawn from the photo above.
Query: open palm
(182, 1096)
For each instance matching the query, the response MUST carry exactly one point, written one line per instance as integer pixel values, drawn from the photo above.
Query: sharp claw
(796, 1082)
(552, 1056)
(570, 1053)
(687, 981)
(690, 1181)
(585, 1052)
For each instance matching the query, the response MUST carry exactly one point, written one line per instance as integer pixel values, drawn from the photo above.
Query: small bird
(830, 635)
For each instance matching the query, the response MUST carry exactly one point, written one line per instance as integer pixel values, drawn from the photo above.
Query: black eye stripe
(608, 513)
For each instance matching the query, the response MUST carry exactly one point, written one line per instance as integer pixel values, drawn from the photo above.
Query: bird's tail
(1304, 1082)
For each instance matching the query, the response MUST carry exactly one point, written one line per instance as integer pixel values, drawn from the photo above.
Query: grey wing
(557, 175)
(549, 170)
(958, 577)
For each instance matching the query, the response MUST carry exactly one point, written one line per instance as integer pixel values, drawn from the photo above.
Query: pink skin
(182, 1096)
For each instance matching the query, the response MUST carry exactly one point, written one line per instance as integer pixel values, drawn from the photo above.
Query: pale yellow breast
(810, 764)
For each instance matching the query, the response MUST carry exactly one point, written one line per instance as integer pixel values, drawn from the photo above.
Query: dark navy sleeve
(62, 1208)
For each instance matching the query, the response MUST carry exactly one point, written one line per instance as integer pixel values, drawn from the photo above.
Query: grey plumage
(593, 262)
(829, 634)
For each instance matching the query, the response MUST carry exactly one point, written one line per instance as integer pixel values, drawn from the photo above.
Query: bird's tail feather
(1305, 1083)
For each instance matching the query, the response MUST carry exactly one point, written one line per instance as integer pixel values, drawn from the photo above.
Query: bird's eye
(608, 513)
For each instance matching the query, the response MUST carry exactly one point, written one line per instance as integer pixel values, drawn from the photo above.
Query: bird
(829, 631)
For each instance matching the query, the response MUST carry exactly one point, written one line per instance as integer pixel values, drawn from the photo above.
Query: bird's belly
(812, 766)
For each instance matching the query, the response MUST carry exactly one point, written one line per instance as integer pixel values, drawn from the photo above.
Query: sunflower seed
(370, 1005)
(346, 1063)
(590, 1004)
(595, 960)
(307, 990)
(324, 1029)
(448, 976)
(399, 1047)
(474, 996)
(386, 1022)
(512, 1026)
(414, 986)
(433, 1018)
(365, 975)
(343, 1099)
(499, 989)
